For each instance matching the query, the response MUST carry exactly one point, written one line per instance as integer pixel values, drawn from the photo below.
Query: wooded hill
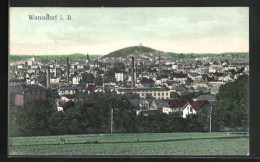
(75, 56)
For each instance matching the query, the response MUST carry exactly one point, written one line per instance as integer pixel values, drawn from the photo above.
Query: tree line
(41, 118)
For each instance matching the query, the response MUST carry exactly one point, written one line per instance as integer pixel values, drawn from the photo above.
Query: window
(158, 94)
(166, 94)
(154, 94)
(142, 94)
(190, 109)
(162, 94)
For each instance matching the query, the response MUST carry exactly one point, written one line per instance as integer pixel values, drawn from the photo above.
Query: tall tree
(87, 78)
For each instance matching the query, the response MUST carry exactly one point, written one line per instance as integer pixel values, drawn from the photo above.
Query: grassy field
(133, 144)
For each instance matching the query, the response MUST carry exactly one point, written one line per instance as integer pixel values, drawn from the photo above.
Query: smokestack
(141, 70)
(105, 66)
(48, 78)
(159, 64)
(104, 83)
(136, 73)
(15, 70)
(68, 70)
(132, 71)
(55, 72)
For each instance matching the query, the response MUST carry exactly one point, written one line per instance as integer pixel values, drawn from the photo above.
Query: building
(71, 90)
(14, 81)
(156, 93)
(65, 106)
(175, 106)
(20, 95)
(147, 82)
(76, 79)
(120, 75)
(180, 77)
(183, 107)
(141, 105)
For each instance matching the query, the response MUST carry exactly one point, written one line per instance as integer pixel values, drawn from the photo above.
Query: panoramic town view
(136, 100)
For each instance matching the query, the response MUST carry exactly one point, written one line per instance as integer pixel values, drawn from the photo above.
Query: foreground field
(133, 144)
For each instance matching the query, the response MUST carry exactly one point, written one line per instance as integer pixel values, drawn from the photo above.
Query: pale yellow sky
(103, 30)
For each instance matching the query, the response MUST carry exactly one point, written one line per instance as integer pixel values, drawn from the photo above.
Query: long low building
(157, 93)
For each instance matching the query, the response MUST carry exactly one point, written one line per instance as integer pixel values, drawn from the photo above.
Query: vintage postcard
(129, 81)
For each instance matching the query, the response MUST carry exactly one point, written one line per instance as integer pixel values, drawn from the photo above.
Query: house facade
(156, 93)
(20, 95)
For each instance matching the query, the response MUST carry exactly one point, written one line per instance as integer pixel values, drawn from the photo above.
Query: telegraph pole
(210, 116)
(111, 122)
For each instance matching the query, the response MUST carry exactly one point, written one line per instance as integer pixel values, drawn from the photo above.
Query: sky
(103, 30)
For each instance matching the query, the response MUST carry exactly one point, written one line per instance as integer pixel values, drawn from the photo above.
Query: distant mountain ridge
(129, 51)
(142, 49)
(196, 55)
(52, 57)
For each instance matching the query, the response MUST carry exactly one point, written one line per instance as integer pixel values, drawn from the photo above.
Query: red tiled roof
(160, 77)
(119, 71)
(197, 105)
(67, 105)
(179, 102)
(180, 75)
(69, 96)
(146, 81)
(89, 103)
(220, 74)
(170, 83)
(210, 79)
(91, 87)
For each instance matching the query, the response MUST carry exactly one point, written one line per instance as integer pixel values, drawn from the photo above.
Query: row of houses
(180, 106)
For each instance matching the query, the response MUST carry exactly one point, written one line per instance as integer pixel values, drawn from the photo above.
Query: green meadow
(134, 144)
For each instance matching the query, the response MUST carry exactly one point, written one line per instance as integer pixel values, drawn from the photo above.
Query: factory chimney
(132, 71)
(141, 70)
(15, 70)
(103, 83)
(159, 69)
(48, 78)
(55, 72)
(136, 72)
(67, 71)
